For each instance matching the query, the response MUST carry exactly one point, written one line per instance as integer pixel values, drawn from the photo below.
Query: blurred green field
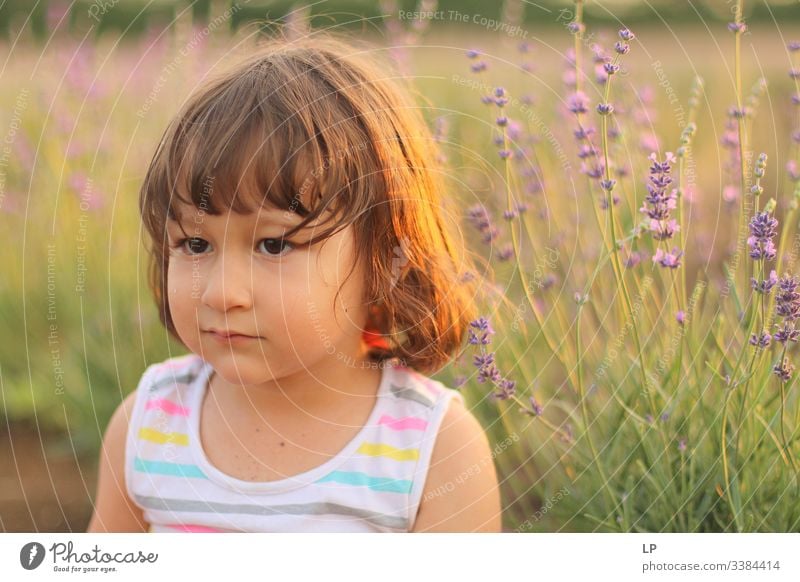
(81, 118)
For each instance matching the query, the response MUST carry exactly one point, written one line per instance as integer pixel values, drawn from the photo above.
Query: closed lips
(229, 333)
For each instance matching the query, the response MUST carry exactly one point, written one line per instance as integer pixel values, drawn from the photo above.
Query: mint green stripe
(171, 380)
(164, 468)
(297, 509)
(411, 394)
(363, 480)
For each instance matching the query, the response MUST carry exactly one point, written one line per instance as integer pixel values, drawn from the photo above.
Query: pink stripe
(194, 528)
(405, 423)
(167, 406)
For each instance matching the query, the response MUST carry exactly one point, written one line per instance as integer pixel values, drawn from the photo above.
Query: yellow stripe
(381, 450)
(176, 438)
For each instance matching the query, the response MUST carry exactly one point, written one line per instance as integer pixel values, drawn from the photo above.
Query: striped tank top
(374, 484)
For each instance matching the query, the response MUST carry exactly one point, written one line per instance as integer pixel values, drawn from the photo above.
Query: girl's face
(236, 275)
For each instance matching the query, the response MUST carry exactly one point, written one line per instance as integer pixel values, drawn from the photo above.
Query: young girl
(299, 251)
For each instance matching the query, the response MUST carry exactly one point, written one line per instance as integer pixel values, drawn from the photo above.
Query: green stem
(586, 424)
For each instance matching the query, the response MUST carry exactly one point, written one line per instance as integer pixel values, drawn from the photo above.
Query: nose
(228, 282)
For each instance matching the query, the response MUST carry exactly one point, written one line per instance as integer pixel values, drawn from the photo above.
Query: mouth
(230, 335)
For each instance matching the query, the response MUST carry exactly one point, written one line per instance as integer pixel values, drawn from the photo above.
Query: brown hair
(310, 127)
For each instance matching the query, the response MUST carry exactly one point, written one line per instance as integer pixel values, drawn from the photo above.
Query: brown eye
(192, 246)
(276, 247)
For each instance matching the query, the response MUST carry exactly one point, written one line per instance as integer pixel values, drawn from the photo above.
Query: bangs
(240, 149)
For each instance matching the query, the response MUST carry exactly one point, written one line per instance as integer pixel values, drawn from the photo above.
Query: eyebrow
(276, 219)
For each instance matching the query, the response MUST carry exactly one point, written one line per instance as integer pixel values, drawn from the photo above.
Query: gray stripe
(409, 394)
(293, 509)
(172, 380)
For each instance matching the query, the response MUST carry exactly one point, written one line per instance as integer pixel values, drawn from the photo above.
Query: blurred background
(88, 87)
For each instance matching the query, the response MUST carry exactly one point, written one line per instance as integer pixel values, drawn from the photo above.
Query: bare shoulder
(113, 510)
(461, 492)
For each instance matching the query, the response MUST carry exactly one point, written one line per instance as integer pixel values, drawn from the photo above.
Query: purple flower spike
(622, 48)
(763, 229)
(505, 253)
(472, 54)
(793, 45)
(605, 108)
(787, 333)
(764, 287)
(660, 199)
(784, 370)
(792, 171)
(608, 185)
(763, 339)
(535, 409)
(480, 332)
(626, 35)
(738, 27)
(507, 389)
(670, 259)
(578, 103)
(478, 67)
(680, 317)
(787, 300)
(490, 374)
(480, 219)
(575, 27)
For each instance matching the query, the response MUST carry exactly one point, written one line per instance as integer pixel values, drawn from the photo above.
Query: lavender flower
(535, 409)
(605, 108)
(787, 333)
(763, 229)
(505, 253)
(680, 317)
(500, 97)
(762, 340)
(633, 259)
(507, 389)
(490, 373)
(670, 259)
(659, 201)
(764, 287)
(578, 103)
(480, 327)
(784, 370)
(737, 27)
(478, 67)
(787, 301)
(575, 27)
(479, 217)
(792, 171)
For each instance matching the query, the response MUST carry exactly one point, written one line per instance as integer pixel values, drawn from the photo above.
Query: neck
(319, 390)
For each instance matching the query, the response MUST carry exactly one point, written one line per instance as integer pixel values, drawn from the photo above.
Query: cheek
(180, 295)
